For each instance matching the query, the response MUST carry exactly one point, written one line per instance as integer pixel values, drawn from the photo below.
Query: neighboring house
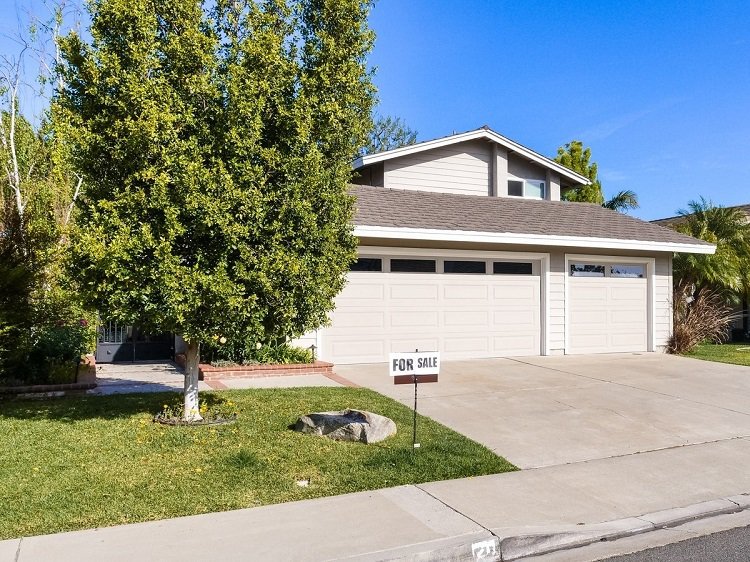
(466, 248)
(740, 327)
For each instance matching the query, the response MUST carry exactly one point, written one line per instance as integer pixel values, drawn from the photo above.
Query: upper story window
(533, 189)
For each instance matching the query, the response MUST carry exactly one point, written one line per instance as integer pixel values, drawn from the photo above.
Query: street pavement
(725, 538)
(633, 439)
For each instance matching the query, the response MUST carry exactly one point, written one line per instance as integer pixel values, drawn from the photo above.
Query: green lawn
(737, 353)
(78, 463)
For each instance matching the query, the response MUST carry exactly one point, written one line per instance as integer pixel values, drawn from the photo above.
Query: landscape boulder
(347, 425)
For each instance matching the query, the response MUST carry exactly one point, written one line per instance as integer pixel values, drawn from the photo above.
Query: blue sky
(660, 91)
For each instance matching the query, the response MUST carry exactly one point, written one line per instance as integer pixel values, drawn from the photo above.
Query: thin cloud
(609, 127)
(612, 175)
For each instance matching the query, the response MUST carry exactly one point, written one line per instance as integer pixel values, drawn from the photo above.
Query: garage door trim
(607, 259)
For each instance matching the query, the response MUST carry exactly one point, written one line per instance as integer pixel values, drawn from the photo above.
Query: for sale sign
(424, 366)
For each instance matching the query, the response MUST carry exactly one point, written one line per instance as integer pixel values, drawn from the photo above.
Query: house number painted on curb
(484, 550)
(414, 363)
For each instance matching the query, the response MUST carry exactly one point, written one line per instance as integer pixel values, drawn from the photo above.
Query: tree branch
(73, 202)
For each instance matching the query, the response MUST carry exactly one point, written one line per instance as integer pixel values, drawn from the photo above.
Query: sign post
(414, 367)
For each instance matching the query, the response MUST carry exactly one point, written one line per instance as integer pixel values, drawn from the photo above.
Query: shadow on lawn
(113, 406)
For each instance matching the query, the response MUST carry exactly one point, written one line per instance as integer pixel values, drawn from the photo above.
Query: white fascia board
(528, 239)
(463, 137)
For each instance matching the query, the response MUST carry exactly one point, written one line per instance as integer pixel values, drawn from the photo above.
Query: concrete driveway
(544, 411)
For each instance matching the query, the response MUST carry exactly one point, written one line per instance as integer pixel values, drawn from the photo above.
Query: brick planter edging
(211, 373)
(44, 388)
(86, 376)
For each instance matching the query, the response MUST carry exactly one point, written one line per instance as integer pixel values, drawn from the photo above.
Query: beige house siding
(662, 301)
(466, 168)
(556, 305)
(462, 169)
(523, 169)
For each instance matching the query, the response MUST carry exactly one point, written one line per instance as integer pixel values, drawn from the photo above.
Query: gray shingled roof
(379, 206)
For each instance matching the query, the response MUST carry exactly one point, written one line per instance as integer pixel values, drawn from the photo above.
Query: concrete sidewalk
(518, 513)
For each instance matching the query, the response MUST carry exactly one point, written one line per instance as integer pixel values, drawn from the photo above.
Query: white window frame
(525, 182)
(650, 278)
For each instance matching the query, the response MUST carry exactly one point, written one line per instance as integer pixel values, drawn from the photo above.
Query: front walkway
(161, 376)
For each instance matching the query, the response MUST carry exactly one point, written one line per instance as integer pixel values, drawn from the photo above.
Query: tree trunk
(192, 356)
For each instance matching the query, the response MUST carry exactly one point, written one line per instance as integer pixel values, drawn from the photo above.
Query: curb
(515, 544)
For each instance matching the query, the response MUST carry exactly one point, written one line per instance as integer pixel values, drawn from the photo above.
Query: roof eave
(467, 136)
(363, 231)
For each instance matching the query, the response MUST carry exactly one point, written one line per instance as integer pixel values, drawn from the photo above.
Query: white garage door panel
(514, 345)
(625, 317)
(509, 293)
(471, 345)
(519, 318)
(365, 293)
(411, 291)
(465, 293)
(363, 318)
(463, 316)
(409, 343)
(607, 314)
(413, 319)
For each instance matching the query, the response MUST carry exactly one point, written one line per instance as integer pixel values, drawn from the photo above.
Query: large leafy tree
(389, 133)
(215, 140)
(577, 158)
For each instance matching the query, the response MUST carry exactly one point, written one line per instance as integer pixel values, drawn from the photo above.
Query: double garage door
(463, 307)
(476, 307)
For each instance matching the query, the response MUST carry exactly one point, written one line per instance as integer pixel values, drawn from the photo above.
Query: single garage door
(608, 307)
(463, 307)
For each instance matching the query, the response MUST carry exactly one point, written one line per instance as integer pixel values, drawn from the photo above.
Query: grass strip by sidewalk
(735, 353)
(77, 463)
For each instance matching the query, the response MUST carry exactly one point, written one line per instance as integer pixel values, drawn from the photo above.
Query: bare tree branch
(10, 77)
(73, 201)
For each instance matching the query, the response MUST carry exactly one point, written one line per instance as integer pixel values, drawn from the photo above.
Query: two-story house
(466, 248)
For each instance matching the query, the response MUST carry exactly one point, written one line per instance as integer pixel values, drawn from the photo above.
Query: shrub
(57, 350)
(222, 352)
(701, 316)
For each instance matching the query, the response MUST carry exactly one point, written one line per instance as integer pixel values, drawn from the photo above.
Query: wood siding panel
(463, 168)
(556, 330)
(662, 301)
(524, 169)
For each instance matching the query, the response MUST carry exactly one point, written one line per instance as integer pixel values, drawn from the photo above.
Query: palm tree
(727, 228)
(577, 158)
(622, 202)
